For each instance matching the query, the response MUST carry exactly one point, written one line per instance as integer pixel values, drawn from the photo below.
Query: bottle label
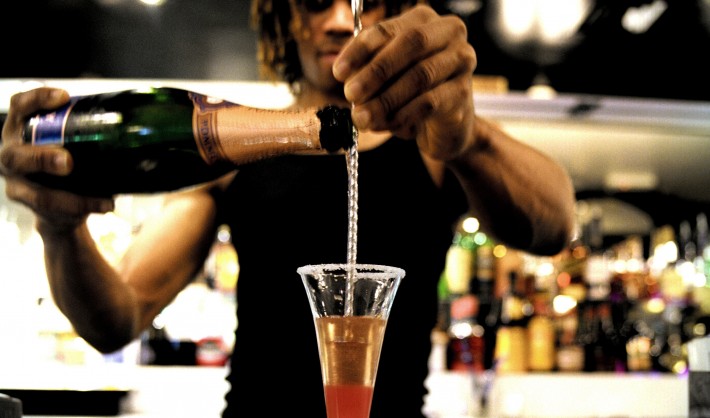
(48, 128)
(459, 269)
(226, 131)
(205, 126)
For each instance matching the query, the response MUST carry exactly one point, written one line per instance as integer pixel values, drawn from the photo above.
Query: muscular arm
(412, 75)
(109, 307)
(523, 197)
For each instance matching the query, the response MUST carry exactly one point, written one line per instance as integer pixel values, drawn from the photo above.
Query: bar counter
(144, 391)
(177, 391)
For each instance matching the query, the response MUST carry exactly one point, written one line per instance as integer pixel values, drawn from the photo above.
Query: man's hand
(412, 75)
(17, 160)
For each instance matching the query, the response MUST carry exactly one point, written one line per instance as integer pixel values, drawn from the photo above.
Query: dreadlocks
(275, 23)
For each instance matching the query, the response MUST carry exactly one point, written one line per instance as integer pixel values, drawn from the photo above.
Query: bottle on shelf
(597, 271)
(466, 337)
(696, 321)
(221, 269)
(541, 327)
(459, 269)
(511, 336)
(569, 356)
(161, 139)
(469, 256)
(483, 287)
(443, 316)
(597, 332)
(702, 245)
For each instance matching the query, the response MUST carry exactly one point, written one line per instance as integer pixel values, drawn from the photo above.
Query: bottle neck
(240, 134)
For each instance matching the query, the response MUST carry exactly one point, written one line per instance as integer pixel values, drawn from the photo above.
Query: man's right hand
(54, 208)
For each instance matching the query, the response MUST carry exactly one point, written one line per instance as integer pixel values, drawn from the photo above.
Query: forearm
(87, 289)
(524, 198)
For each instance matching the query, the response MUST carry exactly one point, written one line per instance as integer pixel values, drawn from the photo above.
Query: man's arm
(108, 306)
(412, 75)
(524, 198)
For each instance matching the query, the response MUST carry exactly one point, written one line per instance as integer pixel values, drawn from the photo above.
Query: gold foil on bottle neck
(242, 134)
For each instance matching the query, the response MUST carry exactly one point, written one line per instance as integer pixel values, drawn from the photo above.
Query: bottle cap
(336, 128)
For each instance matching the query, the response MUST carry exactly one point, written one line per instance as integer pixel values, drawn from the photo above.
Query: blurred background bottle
(511, 351)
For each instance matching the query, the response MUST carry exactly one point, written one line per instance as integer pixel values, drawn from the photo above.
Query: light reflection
(470, 225)
(480, 238)
(153, 3)
(549, 21)
(499, 251)
(545, 269)
(563, 304)
(108, 118)
(655, 305)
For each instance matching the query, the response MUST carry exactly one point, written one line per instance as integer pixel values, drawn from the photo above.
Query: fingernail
(361, 118)
(352, 90)
(340, 69)
(56, 95)
(61, 163)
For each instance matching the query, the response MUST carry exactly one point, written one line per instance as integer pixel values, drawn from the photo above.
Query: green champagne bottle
(162, 139)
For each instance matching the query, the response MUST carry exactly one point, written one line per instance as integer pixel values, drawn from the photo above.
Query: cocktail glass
(350, 304)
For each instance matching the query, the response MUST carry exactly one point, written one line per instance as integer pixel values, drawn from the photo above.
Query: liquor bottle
(443, 315)
(588, 337)
(464, 334)
(161, 139)
(597, 271)
(483, 286)
(686, 246)
(638, 349)
(466, 337)
(541, 329)
(221, 269)
(702, 246)
(483, 281)
(511, 336)
(460, 261)
(569, 356)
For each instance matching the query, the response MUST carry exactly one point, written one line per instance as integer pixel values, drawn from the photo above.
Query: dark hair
(274, 23)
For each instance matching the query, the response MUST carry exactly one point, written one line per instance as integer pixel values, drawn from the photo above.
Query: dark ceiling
(668, 60)
(126, 39)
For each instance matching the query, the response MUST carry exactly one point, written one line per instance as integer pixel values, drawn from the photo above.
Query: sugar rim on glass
(364, 270)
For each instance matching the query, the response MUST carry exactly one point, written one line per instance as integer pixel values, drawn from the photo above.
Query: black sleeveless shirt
(290, 211)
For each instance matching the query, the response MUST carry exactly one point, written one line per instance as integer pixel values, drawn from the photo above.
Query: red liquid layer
(348, 401)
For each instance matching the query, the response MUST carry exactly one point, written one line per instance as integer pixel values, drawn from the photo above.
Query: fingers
(392, 72)
(59, 205)
(418, 88)
(358, 52)
(20, 159)
(382, 51)
(22, 105)
(439, 119)
(25, 159)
